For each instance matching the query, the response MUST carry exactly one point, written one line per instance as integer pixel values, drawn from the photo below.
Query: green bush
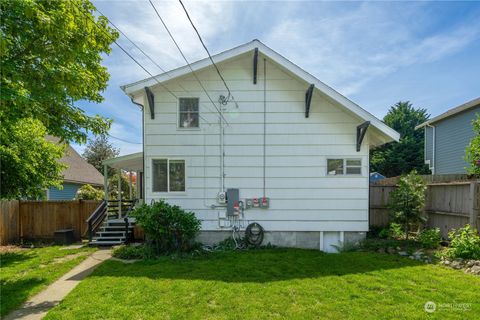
(167, 228)
(393, 231)
(87, 192)
(430, 238)
(130, 252)
(465, 243)
(407, 202)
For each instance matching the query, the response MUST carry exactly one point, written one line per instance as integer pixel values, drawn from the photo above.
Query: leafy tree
(401, 157)
(408, 201)
(98, 150)
(88, 192)
(50, 56)
(28, 162)
(124, 184)
(473, 149)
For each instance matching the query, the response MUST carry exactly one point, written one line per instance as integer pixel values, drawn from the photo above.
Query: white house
(296, 149)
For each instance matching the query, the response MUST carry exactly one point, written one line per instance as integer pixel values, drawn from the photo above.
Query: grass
(273, 284)
(25, 272)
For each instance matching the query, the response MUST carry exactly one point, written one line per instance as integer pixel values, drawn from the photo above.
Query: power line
(131, 57)
(186, 60)
(148, 57)
(208, 52)
(123, 139)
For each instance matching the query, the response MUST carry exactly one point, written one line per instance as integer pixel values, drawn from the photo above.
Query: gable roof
(79, 170)
(463, 107)
(136, 87)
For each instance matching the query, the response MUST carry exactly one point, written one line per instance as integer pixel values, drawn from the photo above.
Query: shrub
(87, 192)
(430, 238)
(394, 231)
(407, 201)
(130, 252)
(167, 228)
(465, 243)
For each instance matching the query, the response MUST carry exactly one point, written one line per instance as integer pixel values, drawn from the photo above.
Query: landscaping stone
(475, 270)
(456, 264)
(391, 250)
(403, 253)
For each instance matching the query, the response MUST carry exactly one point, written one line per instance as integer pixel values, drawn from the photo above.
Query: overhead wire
(135, 60)
(209, 55)
(149, 57)
(186, 60)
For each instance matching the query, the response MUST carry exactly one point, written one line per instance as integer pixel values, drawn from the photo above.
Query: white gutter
(433, 146)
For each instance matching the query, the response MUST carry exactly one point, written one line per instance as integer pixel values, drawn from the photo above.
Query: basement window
(344, 166)
(168, 175)
(188, 113)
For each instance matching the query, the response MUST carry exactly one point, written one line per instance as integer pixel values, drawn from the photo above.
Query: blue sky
(375, 53)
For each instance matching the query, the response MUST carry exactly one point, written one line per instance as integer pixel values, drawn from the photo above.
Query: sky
(374, 53)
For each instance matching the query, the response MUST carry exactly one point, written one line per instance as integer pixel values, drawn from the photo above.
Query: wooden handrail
(96, 218)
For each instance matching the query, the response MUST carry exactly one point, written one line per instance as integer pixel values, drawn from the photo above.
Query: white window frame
(178, 114)
(345, 167)
(168, 176)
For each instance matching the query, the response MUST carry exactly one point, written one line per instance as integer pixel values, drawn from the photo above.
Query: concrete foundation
(293, 239)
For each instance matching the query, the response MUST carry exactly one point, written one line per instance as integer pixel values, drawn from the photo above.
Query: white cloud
(352, 47)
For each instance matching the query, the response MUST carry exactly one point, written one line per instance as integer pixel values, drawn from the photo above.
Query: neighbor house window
(188, 113)
(344, 166)
(168, 175)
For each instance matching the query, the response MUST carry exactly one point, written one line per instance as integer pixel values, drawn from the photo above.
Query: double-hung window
(188, 113)
(344, 166)
(168, 175)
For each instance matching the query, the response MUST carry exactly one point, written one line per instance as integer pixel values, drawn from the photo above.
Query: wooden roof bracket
(308, 99)
(151, 102)
(361, 131)
(255, 65)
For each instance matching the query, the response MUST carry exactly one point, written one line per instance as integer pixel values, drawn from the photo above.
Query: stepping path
(38, 306)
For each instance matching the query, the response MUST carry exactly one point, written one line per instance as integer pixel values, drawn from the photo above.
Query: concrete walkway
(38, 306)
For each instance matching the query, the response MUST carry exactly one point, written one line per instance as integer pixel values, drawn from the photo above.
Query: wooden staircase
(105, 228)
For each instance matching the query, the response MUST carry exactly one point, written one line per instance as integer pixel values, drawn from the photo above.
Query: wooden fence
(39, 219)
(449, 205)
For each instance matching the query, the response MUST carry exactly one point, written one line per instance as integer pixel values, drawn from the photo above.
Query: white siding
(303, 197)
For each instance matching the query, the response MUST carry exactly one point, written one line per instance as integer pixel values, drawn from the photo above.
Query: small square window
(344, 166)
(188, 113)
(335, 166)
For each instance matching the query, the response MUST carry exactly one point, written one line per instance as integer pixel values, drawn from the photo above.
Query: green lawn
(24, 273)
(273, 284)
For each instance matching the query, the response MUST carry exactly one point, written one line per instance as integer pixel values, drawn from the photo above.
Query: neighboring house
(447, 136)
(375, 176)
(295, 152)
(78, 173)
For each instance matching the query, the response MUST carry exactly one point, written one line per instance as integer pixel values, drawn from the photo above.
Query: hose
(254, 234)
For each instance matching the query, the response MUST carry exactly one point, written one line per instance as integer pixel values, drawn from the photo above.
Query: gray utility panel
(233, 199)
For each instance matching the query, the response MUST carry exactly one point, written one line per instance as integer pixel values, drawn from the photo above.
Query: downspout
(433, 147)
(141, 106)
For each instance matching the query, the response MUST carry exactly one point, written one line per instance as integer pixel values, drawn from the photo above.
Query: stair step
(109, 238)
(116, 227)
(105, 243)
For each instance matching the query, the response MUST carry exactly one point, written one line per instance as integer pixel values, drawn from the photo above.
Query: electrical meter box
(233, 199)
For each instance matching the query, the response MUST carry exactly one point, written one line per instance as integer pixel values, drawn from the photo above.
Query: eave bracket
(151, 102)
(255, 65)
(308, 99)
(361, 131)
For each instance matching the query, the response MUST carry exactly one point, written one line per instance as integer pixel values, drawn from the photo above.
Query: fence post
(474, 198)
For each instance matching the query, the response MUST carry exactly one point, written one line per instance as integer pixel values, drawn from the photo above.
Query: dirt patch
(8, 249)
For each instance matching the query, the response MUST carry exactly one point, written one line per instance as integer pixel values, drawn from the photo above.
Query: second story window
(188, 113)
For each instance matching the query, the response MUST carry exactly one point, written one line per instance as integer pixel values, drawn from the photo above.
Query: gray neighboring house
(447, 137)
(78, 173)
